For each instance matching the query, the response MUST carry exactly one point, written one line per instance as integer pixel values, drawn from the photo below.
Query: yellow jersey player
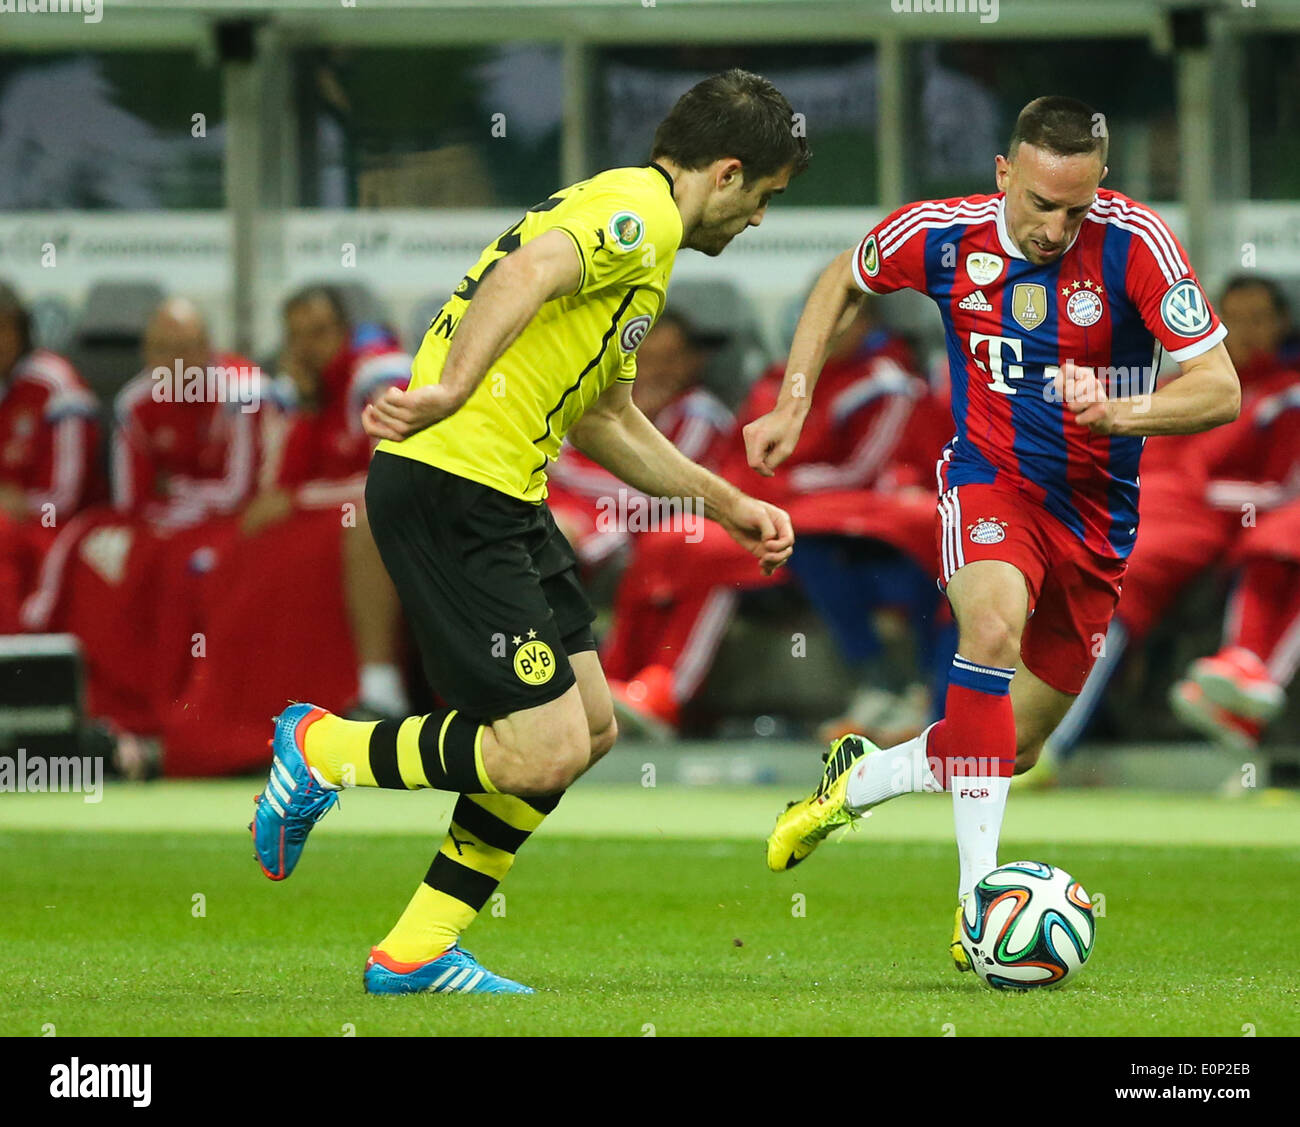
(537, 342)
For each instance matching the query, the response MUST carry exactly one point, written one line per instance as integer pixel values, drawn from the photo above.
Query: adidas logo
(976, 302)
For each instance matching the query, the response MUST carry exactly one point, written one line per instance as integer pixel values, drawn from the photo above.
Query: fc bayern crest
(1084, 308)
(634, 332)
(987, 530)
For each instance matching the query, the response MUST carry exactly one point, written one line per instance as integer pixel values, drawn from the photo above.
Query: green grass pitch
(636, 912)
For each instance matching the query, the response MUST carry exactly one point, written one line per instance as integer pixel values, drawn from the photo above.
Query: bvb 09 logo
(534, 663)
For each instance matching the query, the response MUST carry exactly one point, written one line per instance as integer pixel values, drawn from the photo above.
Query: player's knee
(557, 770)
(990, 638)
(602, 740)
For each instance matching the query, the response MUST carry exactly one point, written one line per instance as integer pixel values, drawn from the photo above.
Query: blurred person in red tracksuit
(863, 471)
(301, 554)
(129, 580)
(583, 495)
(180, 458)
(1224, 498)
(49, 432)
(222, 513)
(316, 461)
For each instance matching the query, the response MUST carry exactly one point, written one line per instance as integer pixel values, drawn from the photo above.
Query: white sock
(978, 804)
(382, 689)
(892, 771)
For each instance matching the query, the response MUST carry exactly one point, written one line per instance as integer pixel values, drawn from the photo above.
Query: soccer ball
(1027, 925)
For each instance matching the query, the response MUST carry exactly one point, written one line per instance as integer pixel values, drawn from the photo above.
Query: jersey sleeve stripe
(928, 217)
(1178, 355)
(930, 220)
(929, 207)
(1166, 256)
(133, 392)
(1161, 261)
(1148, 218)
(694, 438)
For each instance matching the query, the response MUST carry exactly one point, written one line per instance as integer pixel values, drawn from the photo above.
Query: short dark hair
(1064, 126)
(320, 292)
(734, 114)
(11, 305)
(1237, 282)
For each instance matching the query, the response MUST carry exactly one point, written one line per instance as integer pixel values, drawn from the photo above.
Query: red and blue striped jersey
(1122, 291)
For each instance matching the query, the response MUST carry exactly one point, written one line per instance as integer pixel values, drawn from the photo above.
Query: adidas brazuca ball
(1027, 925)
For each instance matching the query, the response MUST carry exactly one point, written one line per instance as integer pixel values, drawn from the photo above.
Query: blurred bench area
(280, 197)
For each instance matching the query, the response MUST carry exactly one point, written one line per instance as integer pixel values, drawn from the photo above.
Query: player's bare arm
(615, 433)
(1205, 394)
(545, 268)
(831, 307)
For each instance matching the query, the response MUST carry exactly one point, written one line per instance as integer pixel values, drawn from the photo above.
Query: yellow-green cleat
(959, 957)
(802, 826)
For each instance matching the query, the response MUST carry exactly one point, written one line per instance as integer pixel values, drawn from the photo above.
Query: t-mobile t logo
(1000, 372)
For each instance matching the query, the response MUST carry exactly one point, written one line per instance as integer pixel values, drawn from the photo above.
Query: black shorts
(488, 583)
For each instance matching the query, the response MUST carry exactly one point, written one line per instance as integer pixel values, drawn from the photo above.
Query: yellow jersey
(626, 229)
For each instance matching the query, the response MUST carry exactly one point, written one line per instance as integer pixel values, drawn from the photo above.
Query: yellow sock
(486, 832)
(431, 923)
(340, 749)
(443, 749)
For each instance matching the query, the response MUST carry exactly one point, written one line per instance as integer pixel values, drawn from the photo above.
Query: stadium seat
(105, 345)
(53, 322)
(360, 302)
(719, 309)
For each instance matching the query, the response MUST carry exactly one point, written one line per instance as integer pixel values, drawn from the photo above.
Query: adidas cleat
(295, 798)
(803, 826)
(455, 971)
(959, 957)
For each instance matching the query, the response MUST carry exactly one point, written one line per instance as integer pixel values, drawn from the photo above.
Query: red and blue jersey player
(1058, 297)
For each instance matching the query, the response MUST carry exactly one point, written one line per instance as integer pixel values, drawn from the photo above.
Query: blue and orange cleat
(455, 971)
(295, 798)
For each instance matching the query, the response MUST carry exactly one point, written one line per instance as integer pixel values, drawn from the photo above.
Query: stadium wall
(409, 257)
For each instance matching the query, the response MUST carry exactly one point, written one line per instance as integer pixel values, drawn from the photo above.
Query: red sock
(977, 735)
